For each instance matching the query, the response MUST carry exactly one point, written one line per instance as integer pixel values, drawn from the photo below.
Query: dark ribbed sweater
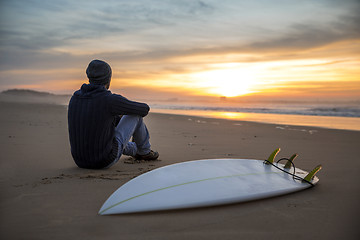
(93, 114)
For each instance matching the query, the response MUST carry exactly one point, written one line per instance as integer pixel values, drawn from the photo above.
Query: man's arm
(122, 106)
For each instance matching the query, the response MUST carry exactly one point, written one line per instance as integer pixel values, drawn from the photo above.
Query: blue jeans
(131, 126)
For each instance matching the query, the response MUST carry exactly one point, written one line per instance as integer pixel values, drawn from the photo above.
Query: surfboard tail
(311, 174)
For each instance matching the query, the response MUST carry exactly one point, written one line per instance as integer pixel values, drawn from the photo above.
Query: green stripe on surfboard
(181, 184)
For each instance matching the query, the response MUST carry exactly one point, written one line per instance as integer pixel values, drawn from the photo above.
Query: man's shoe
(150, 156)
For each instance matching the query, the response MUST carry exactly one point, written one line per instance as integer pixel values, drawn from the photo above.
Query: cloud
(307, 36)
(46, 24)
(346, 88)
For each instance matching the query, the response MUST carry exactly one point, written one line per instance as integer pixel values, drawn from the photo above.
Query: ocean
(334, 115)
(330, 114)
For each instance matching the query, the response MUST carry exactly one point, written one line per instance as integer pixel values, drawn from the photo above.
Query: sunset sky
(174, 48)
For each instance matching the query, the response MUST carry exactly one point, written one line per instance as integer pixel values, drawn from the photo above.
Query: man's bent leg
(141, 137)
(131, 125)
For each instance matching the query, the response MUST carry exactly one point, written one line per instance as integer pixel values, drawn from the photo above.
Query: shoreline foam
(329, 122)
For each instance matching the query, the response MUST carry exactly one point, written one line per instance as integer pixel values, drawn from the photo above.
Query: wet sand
(44, 195)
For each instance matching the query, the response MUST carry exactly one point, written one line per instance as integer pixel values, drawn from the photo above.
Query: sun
(227, 82)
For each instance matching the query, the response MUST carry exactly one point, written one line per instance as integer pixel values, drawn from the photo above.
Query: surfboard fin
(272, 156)
(291, 159)
(311, 174)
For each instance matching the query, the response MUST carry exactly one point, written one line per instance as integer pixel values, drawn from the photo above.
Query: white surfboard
(203, 183)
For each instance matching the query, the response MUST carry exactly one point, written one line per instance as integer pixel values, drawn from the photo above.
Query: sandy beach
(45, 196)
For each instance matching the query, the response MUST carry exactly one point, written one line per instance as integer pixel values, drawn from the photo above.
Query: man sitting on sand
(98, 134)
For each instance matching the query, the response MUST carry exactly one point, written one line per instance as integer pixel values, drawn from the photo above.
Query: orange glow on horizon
(232, 77)
(229, 80)
(296, 79)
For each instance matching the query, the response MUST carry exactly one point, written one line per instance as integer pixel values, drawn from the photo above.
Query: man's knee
(133, 117)
(130, 119)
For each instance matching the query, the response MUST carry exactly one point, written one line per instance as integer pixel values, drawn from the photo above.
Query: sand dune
(30, 96)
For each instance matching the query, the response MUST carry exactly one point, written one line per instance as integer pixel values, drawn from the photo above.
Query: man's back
(96, 136)
(91, 127)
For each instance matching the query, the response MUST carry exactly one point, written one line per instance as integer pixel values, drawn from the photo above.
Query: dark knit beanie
(99, 72)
